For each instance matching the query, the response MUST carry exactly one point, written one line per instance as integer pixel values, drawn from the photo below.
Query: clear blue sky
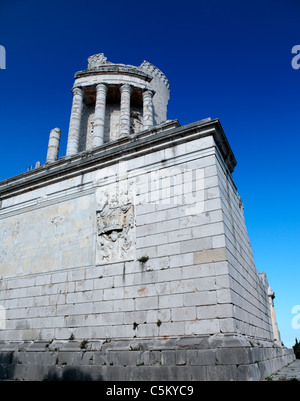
(224, 59)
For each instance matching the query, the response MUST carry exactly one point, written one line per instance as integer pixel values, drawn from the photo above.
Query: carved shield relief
(115, 228)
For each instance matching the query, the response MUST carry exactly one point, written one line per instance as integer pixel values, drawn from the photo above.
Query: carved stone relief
(115, 227)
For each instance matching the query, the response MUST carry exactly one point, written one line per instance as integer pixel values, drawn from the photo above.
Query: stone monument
(128, 258)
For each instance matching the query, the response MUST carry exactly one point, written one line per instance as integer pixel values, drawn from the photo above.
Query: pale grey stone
(168, 358)
(180, 357)
(156, 286)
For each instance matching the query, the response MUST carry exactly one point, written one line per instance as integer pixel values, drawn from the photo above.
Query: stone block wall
(145, 242)
(212, 358)
(51, 287)
(185, 272)
(248, 292)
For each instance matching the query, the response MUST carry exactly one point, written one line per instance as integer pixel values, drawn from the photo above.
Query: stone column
(74, 127)
(53, 145)
(99, 119)
(125, 110)
(271, 296)
(147, 109)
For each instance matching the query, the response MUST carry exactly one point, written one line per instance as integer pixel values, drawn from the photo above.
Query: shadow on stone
(72, 373)
(6, 366)
(14, 368)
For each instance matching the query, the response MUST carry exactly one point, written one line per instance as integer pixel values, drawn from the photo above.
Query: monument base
(206, 358)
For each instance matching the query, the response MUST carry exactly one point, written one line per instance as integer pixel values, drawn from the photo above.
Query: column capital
(77, 91)
(125, 87)
(148, 92)
(101, 88)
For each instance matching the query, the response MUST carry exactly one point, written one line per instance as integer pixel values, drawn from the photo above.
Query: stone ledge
(115, 69)
(162, 136)
(207, 358)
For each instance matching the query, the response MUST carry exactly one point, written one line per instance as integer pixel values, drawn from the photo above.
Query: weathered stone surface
(75, 119)
(125, 110)
(130, 257)
(147, 109)
(53, 146)
(116, 101)
(128, 361)
(209, 256)
(99, 116)
(115, 227)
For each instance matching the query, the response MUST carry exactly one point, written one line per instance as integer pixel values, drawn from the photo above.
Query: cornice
(114, 69)
(159, 137)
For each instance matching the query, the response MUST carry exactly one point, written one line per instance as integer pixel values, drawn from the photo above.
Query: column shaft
(273, 315)
(125, 110)
(53, 145)
(147, 109)
(74, 127)
(99, 119)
